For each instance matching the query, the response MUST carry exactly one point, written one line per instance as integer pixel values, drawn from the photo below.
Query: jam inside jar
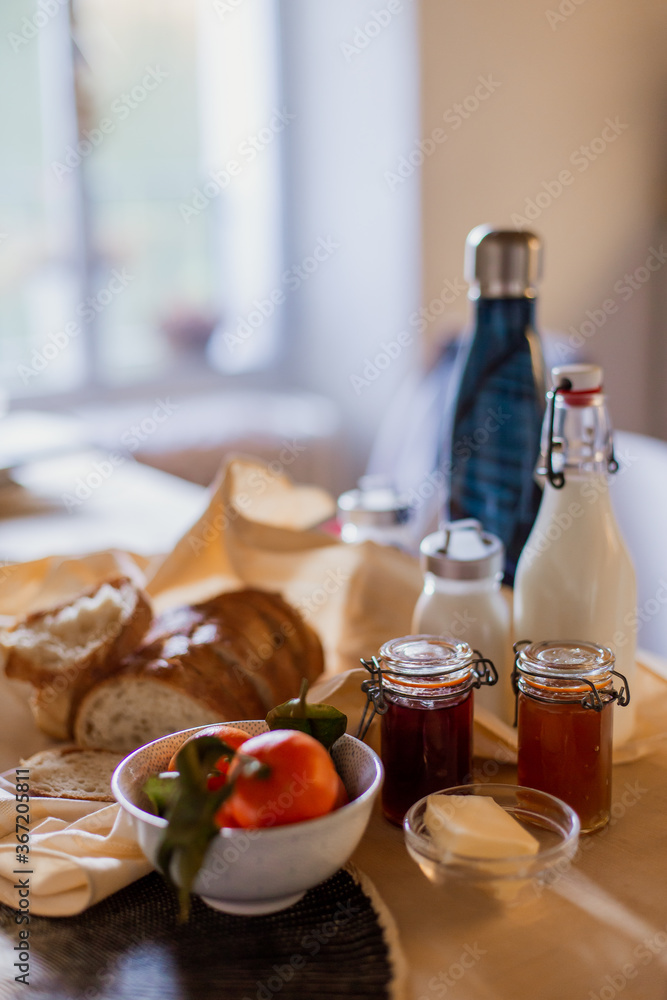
(426, 730)
(565, 701)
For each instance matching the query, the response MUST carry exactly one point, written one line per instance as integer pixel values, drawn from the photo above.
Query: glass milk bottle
(463, 568)
(575, 577)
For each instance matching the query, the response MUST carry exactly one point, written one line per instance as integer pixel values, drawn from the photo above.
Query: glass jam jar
(425, 684)
(565, 700)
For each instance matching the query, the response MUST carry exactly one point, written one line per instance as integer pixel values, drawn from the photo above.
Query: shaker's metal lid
(461, 550)
(502, 263)
(378, 506)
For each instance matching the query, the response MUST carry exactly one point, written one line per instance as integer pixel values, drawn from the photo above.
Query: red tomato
(232, 736)
(342, 798)
(300, 781)
(223, 816)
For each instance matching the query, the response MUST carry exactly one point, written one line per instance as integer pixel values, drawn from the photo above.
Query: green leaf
(161, 791)
(189, 808)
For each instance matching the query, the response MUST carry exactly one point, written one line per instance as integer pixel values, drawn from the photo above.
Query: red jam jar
(565, 702)
(426, 721)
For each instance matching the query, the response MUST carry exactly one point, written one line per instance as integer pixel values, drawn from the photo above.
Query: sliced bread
(65, 650)
(72, 773)
(127, 711)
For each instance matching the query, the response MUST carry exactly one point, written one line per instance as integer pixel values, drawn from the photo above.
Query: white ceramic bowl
(259, 871)
(554, 824)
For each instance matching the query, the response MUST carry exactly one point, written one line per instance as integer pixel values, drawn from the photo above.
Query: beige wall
(554, 85)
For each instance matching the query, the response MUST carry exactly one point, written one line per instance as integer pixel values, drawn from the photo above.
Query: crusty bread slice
(125, 712)
(65, 650)
(72, 773)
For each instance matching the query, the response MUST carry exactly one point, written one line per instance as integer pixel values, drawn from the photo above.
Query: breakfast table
(597, 929)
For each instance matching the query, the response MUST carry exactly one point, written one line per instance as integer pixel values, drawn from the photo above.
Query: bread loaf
(64, 651)
(107, 677)
(231, 658)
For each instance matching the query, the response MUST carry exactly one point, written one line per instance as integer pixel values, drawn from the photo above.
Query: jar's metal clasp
(590, 700)
(622, 697)
(374, 696)
(488, 675)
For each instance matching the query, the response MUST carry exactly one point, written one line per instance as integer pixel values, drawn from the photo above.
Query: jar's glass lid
(373, 505)
(426, 654)
(565, 658)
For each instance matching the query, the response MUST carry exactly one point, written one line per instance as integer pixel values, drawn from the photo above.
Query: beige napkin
(79, 854)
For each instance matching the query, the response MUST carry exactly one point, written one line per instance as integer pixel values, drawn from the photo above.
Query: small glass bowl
(507, 879)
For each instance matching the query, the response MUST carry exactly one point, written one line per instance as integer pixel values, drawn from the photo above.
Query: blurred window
(139, 191)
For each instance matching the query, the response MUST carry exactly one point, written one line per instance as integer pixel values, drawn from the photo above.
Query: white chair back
(639, 498)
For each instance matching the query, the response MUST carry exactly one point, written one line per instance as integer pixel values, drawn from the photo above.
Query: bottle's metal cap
(502, 263)
(462, 551)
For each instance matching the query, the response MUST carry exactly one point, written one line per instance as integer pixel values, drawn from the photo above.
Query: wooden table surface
(599, 931)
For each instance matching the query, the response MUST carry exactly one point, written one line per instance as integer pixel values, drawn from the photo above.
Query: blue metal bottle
(497, 416)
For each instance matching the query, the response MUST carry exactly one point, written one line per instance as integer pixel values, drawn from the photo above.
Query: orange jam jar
(565, 701)
(424, 695)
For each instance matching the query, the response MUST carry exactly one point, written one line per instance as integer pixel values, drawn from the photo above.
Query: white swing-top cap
(583, 377)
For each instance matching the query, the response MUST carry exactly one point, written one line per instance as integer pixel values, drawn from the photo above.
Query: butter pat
(475, 826)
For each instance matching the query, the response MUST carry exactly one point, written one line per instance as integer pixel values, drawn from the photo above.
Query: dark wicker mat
(130, 947)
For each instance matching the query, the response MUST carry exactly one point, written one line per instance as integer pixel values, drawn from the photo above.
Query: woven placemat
(338, 941)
